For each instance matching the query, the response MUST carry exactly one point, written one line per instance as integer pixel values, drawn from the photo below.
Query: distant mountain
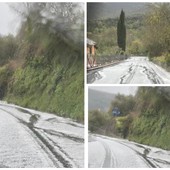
(99, 100)
(112, 10)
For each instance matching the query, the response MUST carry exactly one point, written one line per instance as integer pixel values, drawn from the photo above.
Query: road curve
(107, 152)
(32, 139)
(135, 70)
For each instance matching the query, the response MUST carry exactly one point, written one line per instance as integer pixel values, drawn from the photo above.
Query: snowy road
(135, 70)
(105, 152)
(32, 139)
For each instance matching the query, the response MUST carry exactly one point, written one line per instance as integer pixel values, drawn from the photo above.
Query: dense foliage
(8, 47)
(107, 124)
(157, 29)
(46, 59)
(101, 123)
(157, 33)
(152, 125)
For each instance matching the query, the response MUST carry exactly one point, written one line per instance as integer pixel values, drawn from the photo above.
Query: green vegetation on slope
(101, 123)
(47, 66)
(157, 29)
(8, 48)
(54, 90)
(5, 74)
(156, 34)
(152, 126)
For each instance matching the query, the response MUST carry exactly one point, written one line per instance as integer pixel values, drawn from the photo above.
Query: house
(91, 50)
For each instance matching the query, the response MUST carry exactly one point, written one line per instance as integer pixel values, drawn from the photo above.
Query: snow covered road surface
(30, 139)
(135, 70)
(105, 152)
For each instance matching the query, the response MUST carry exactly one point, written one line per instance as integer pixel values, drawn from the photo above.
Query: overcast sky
(9, 20)
(126, 90)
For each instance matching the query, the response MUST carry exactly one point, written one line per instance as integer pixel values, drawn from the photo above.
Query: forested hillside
(42, 66)
(104, 33)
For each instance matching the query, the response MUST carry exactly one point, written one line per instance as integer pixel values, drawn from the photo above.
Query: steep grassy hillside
(57, 90)
(46, 71)
(152, 126)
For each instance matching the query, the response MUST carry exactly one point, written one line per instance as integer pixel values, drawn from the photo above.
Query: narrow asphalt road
(105, 152)
(135, 70)
(32, 139)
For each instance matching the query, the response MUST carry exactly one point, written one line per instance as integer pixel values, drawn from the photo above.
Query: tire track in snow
(109, 160)
(143, 156)
(45, 144)
(129, 75)
(151, 74)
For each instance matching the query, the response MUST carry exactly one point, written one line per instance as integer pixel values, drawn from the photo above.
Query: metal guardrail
(102, 66)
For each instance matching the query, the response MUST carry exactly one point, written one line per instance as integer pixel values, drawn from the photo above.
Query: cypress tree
(121, 32)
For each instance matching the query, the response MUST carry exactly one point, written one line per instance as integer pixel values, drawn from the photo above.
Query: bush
(101, 123)
(124, 103)
(123, 125)
(5, 75)
(152, 124)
